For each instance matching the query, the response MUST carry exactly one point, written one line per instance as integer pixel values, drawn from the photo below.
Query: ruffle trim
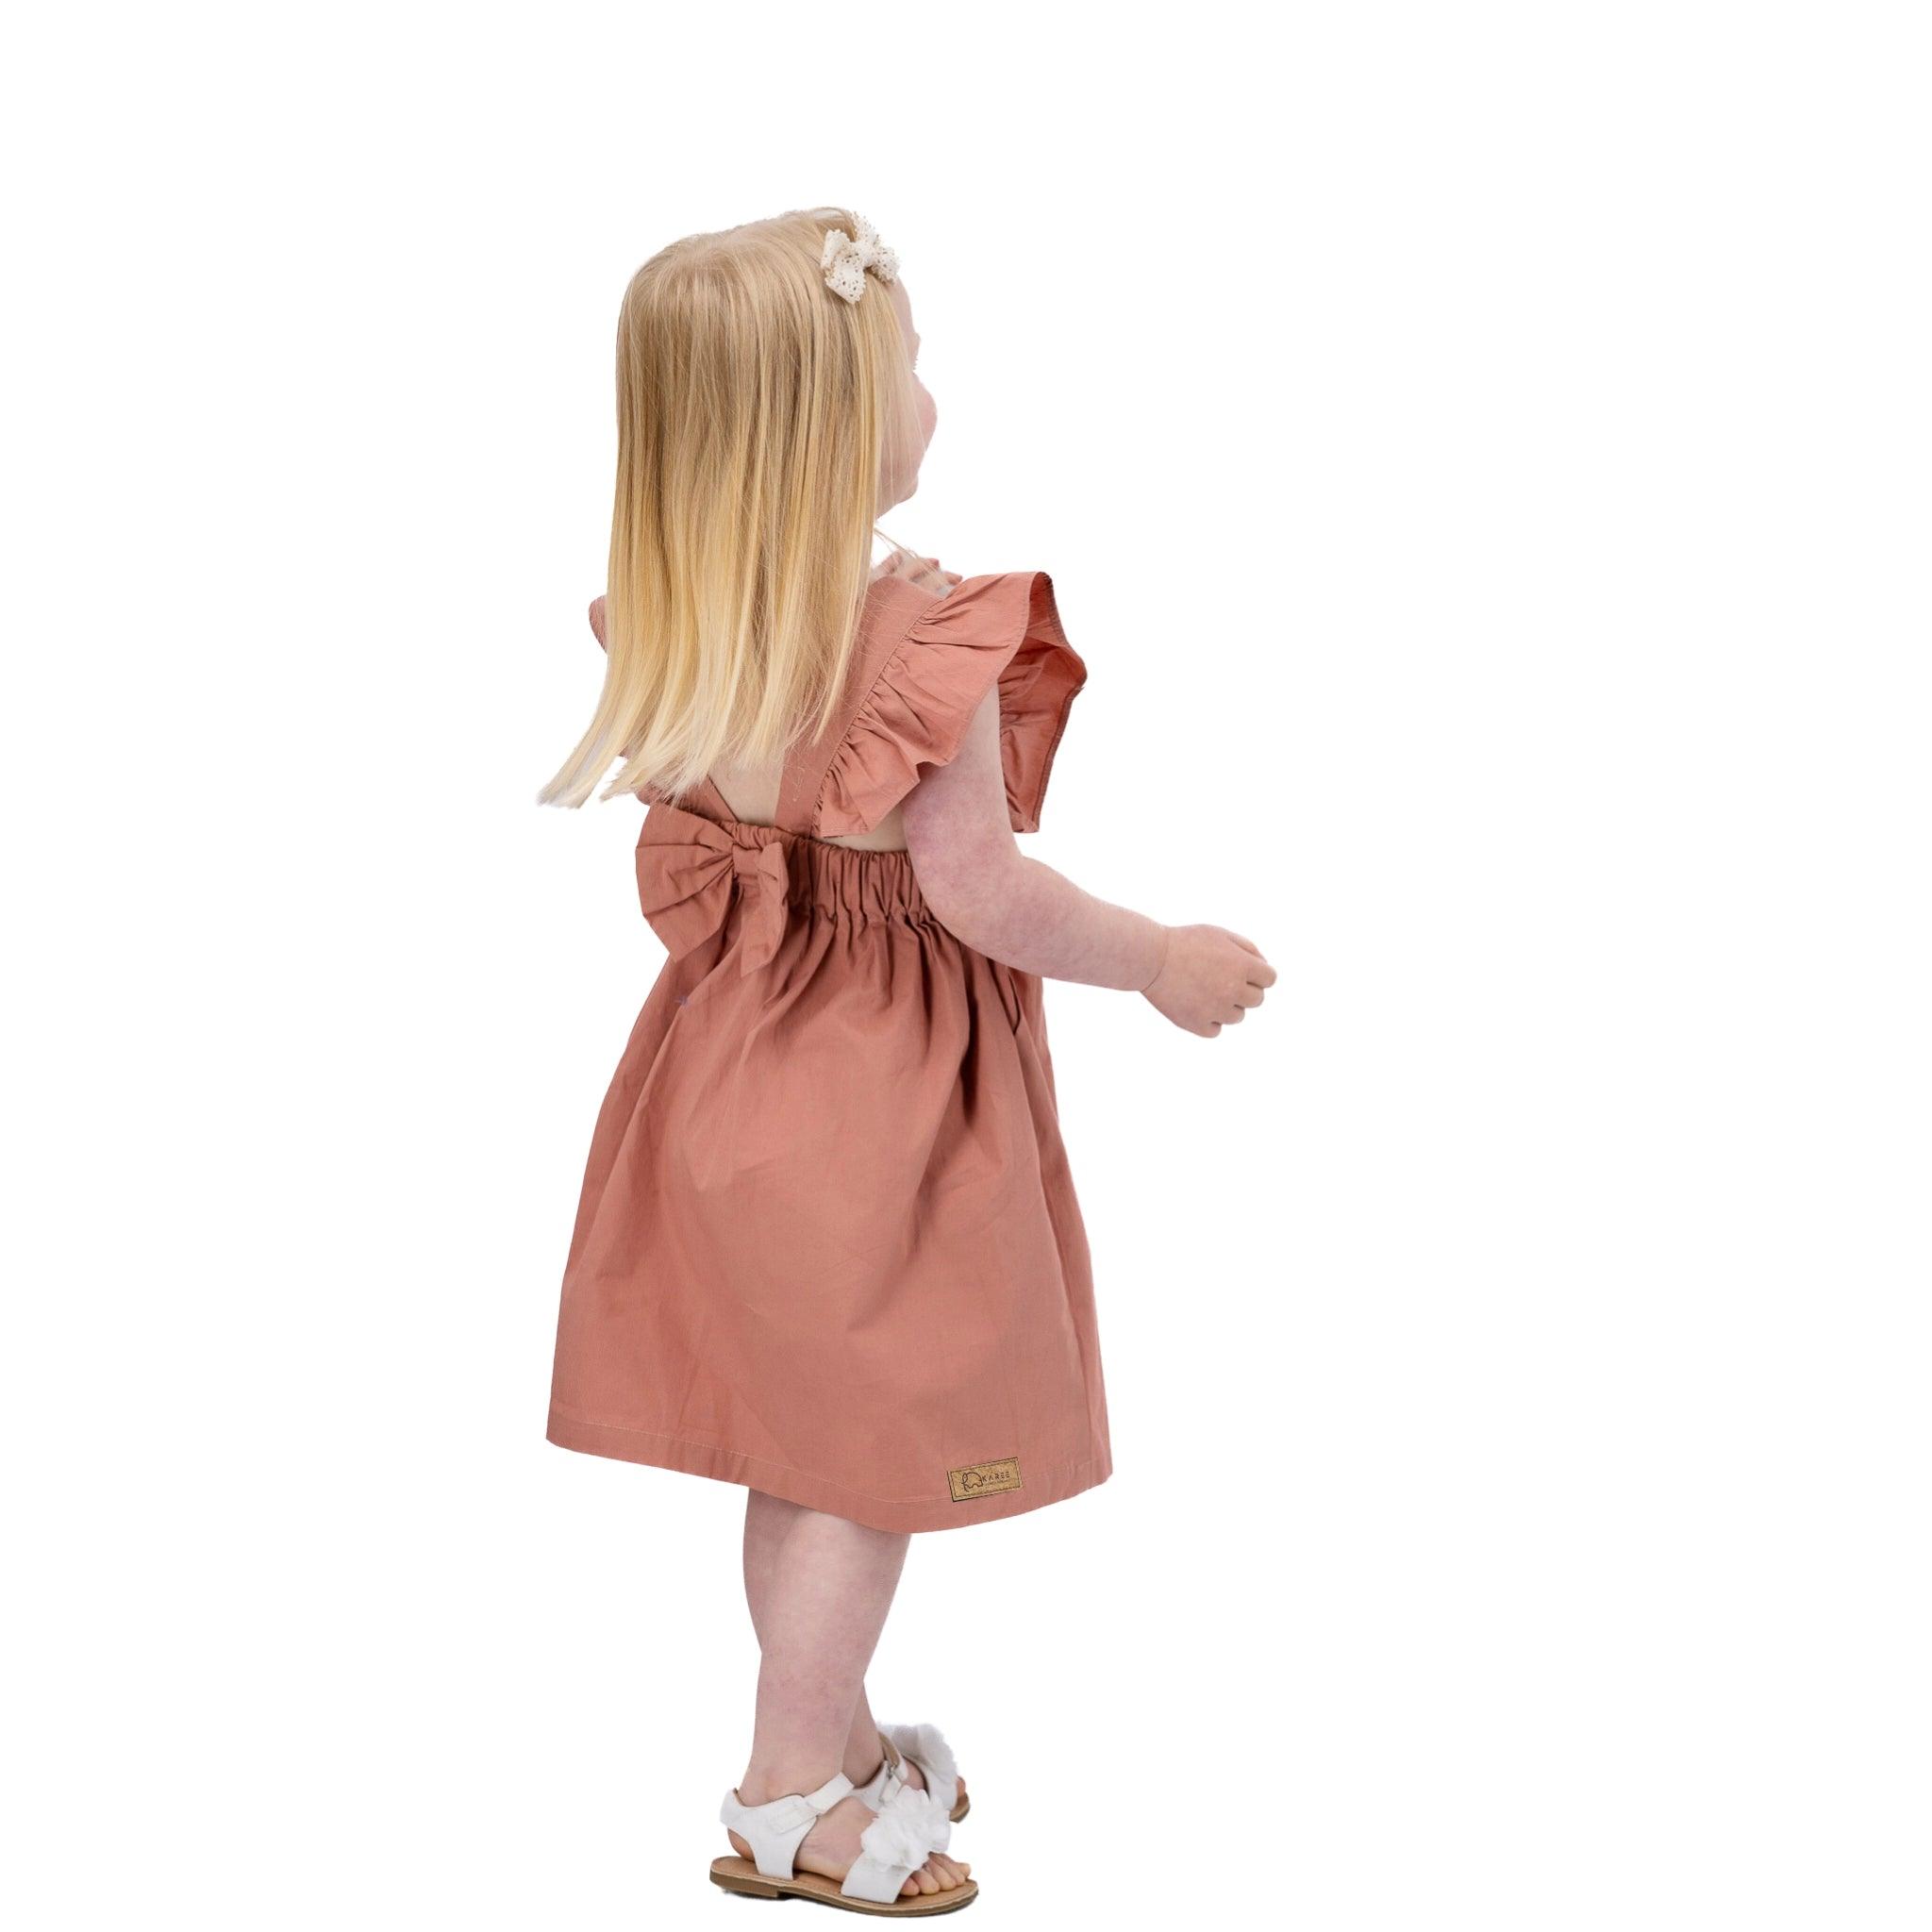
(1001, 630)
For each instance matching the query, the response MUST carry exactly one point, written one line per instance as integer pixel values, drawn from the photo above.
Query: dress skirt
(828, 1244)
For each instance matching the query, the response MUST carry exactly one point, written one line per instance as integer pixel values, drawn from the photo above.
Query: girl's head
(764, 422)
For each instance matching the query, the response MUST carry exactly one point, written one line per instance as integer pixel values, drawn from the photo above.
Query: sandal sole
(744, 1878)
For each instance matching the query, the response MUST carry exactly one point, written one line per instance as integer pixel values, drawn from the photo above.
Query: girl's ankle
(762, 1783)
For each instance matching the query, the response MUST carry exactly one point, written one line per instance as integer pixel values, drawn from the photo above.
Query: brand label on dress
(985, 1478)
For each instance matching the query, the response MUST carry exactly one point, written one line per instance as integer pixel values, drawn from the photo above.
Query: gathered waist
(841, 879)
(692, 869)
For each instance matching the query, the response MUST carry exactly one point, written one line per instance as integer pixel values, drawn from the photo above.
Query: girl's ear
(597, 618)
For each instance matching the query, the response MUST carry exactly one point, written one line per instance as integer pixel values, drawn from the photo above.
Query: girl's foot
(830, 1849)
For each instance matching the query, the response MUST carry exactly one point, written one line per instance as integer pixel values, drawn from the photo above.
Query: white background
(1482, 453)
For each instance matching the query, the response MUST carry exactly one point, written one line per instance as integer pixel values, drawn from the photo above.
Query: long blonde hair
(755, 410)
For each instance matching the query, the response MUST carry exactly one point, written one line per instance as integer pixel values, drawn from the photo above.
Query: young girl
(828, 1246)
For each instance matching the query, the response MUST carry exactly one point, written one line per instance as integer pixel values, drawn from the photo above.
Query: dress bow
(688, 869)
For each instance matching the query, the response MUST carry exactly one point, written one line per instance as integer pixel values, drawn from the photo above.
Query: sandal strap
(887, 1778)
(775, 1831)
(908, 1829)
(925, 1746)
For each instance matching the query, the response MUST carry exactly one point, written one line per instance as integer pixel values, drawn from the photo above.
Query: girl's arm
(991, 897)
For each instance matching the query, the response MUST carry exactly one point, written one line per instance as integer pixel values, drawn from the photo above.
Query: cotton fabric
(828, 1244)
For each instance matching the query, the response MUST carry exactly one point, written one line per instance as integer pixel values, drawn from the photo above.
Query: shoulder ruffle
(1001, 630)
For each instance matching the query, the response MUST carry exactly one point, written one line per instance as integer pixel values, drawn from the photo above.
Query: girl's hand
(1208, 980)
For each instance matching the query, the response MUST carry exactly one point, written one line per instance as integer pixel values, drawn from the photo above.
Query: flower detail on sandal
(925, 1746)
(846, 258)
(908, 1831)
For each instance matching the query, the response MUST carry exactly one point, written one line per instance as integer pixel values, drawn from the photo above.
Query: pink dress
(828, 1244)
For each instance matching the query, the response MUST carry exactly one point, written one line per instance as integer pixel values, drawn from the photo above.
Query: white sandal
(925, 1747)
(910, 1828)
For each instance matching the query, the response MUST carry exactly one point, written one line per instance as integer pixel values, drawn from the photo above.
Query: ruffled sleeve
(1004, 630)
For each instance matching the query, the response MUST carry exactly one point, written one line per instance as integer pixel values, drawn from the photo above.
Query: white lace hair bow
(845, 260)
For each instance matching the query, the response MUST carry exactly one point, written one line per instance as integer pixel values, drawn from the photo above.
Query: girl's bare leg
(766, 1519)
(819, 1588)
